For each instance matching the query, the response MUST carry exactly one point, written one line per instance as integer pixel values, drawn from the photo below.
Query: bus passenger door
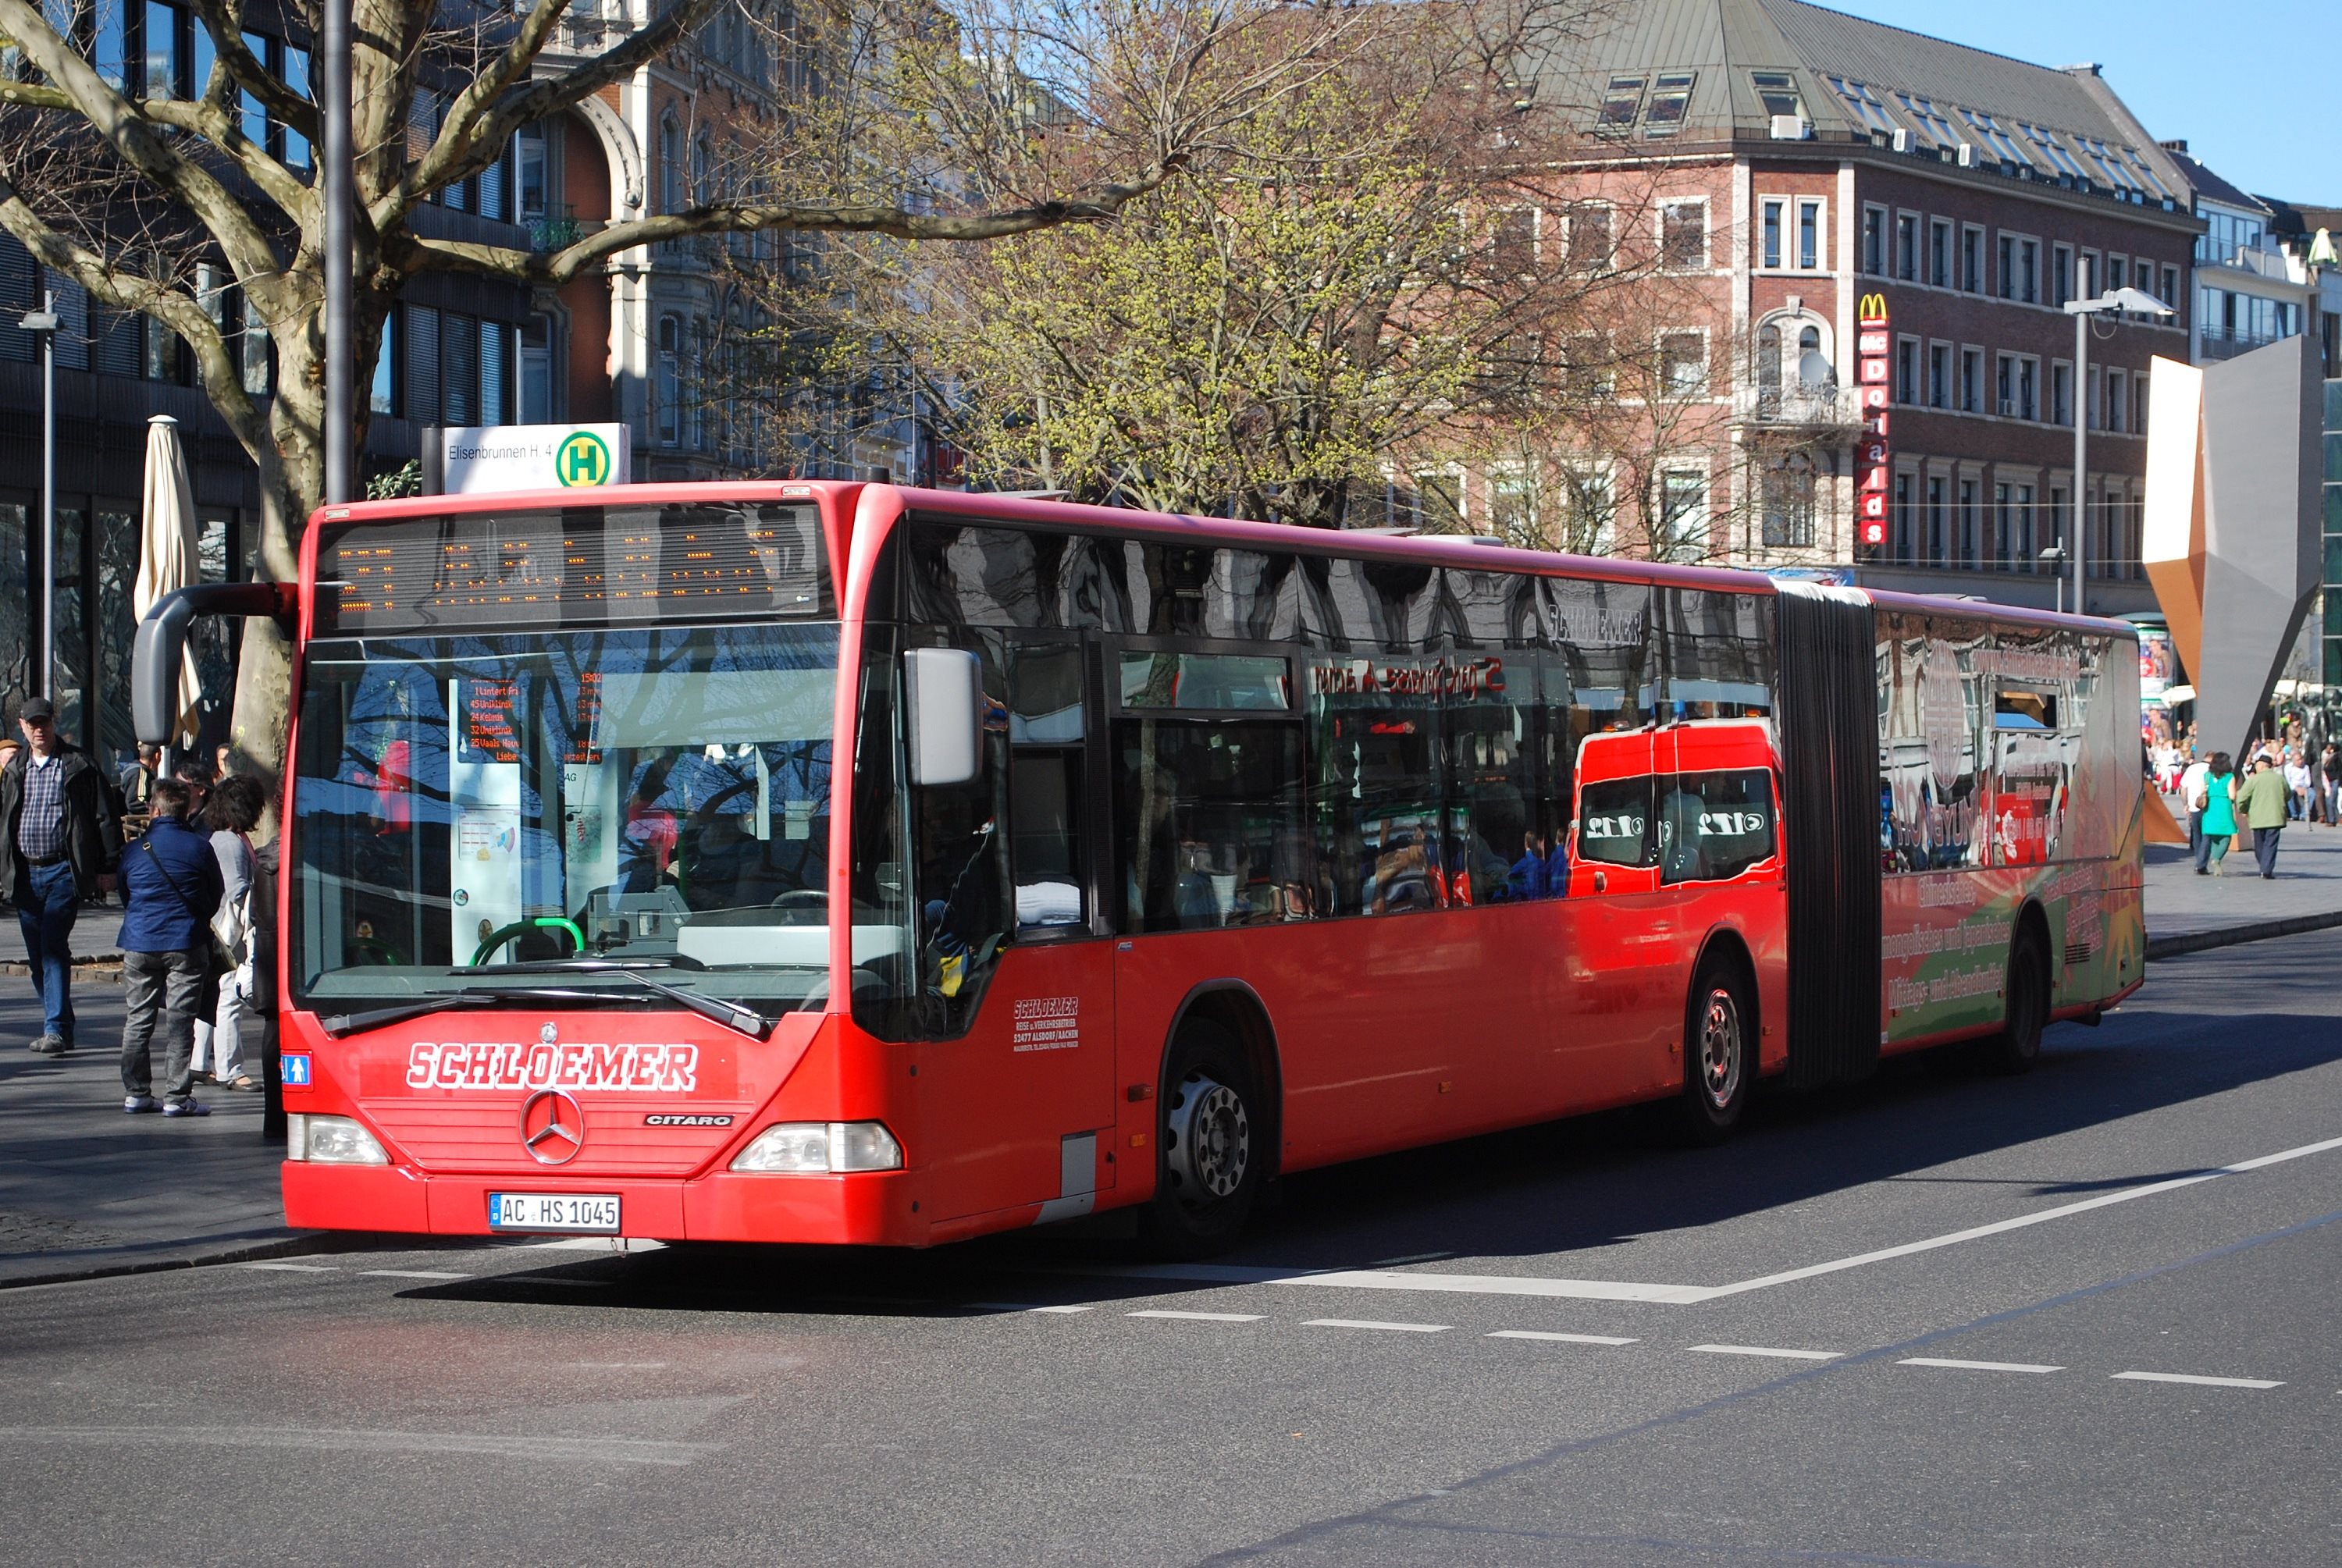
(1027, 1095)
(1624, 939)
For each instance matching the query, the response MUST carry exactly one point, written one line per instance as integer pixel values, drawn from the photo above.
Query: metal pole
(46, 681)
(335, 180)
(2081, 428)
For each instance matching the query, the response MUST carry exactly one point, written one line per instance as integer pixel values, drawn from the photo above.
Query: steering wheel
(495, 939)
(802, 898)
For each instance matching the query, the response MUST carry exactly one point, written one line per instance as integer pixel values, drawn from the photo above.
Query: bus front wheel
(1209, 1168)
(1720, 1049)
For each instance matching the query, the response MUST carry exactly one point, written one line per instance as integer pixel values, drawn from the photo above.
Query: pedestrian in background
(62, 845)
(2219, 814)
(2191, 792)
(2329, 783)
(2297, 784)
(171, 887)
(232, 812)
(2263, 800)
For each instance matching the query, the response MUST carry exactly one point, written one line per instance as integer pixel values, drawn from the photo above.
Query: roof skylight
(2052, 149)
(1670, 98)
(1863, 103)
(1932, 124)
(1777, 90)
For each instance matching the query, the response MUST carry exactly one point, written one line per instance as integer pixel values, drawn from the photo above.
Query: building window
(1939, 254)
(666, 382)
(670, 155)
(1769, 249)
(2061, 274)
(2004, 527)
(1683, 512)
(1589, 238)
(1683, 235)
(1906, 247)
(2007, 279)
(1874, 241)
(1936, 520)
(1809, 235)
(2138, 402)
(1621, 103)
(1903, 486)
(382, 390)
(2118, 418)
(420, 390)
(1906, 370)
(2025, 551)
(2004, 370)
(2028, 377)
(536, 378)
(1971, 260)
(1967, 523)
(2169, 294)
(694, 383)
(529, 173)
(1670, 96)
(1971, 381)
(2028, 271)
(2061, 394)
(2116, 273)
(1939, 375)
(1683, 364)
(1788, 520)
(2086, 275)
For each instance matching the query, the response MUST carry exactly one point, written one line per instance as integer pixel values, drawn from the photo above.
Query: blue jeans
(46, 917)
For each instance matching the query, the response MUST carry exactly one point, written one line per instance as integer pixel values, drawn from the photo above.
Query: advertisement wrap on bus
(832, 862)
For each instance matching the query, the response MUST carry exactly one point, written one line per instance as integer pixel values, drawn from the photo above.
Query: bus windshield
(653, 793)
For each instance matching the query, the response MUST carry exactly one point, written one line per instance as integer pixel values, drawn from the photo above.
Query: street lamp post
(42, 325)
(2055, 558)
(2081, 310)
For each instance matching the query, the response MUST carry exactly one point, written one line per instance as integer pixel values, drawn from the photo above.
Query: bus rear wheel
(2017, 1046)
(1209, 1169)
(1719, 1051)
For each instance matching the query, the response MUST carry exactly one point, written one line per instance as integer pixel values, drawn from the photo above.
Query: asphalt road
(1570, 1346)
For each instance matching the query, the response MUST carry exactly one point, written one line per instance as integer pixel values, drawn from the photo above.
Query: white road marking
(1976, 1365)
(2204, 1382)
(1021, 1306)
(599, 1244)
(1561, 1338)
(293, 1268)
(2103, 1199)
(1202, 1316)
(1665, 1295)
(1369, 1323)
(428, 1444)
(1765, 1350)
(413, 1274)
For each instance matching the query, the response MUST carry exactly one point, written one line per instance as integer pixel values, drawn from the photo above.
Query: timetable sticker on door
(1047, 1023)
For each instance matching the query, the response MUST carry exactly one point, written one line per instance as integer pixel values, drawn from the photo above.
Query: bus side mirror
(161, 639)
(943, 693)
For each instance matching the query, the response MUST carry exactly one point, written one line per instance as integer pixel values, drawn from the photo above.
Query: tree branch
(229, 54)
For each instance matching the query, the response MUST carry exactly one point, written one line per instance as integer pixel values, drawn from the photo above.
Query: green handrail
(495, 939)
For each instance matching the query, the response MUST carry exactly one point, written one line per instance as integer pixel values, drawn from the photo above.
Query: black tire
(1210, 1146)
(1720, 1050)
(2017, 1046)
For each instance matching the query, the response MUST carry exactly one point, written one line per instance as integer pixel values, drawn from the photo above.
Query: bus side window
(1714, 826)
(959, 841)
(1614, 822)
(1047, 780)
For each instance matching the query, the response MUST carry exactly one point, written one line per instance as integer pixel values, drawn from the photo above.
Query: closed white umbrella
(166, 548)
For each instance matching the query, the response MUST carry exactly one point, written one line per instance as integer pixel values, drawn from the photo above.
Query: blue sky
(2251, 85)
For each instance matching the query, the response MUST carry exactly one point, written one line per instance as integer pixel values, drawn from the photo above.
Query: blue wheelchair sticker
(293, 1071)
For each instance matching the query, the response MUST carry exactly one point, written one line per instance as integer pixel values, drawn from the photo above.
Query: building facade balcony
(1805, 409)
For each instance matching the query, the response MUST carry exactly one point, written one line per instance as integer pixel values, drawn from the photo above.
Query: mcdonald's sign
(1870, 310)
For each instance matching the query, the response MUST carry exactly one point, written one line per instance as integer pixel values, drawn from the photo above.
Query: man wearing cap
(62, 845)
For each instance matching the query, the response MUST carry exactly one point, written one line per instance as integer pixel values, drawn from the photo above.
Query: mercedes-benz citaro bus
(851, 863)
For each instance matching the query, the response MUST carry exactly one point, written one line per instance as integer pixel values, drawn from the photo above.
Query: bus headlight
(331, 1140)
(820, 1148)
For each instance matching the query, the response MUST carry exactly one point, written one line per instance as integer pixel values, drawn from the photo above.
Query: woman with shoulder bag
(231, 812)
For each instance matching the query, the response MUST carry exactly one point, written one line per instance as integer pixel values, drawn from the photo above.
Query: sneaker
(187, 1107)
(51, 1045)
(134, 1104)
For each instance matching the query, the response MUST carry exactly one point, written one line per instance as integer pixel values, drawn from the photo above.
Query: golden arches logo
(583, 459)
(1871, 310)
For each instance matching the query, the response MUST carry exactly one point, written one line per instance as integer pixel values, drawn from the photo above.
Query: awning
(2174, 696)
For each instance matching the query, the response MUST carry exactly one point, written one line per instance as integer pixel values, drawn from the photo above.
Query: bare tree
(925, 121)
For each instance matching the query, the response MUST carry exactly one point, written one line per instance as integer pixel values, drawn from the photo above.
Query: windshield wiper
(342, 1024)
(731, 1015)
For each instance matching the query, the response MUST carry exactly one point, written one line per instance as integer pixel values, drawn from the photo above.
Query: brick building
(1824, 159)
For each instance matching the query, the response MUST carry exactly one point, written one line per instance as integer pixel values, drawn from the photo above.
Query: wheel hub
(1719, 1049)
(1209, 1141)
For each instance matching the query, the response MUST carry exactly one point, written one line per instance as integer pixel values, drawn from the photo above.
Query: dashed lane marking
(1976, 1365)
(413, 1274)
(1560, 1338)
(2201, 1382)
(293, 1268)
(1766, 1350)
(1024, 1306)
(1371, 1323)
(1202, 1316)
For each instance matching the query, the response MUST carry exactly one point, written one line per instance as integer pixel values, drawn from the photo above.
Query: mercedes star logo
(552, 1127)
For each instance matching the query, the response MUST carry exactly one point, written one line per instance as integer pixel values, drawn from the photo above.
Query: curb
(2161, 947)
(300, 1244)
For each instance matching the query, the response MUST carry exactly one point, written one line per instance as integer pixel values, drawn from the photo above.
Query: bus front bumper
(863, 1209)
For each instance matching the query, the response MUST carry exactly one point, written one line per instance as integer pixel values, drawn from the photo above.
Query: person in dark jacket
(62, 842)
(172, 888)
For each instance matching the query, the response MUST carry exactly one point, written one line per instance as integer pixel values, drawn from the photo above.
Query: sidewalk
(86, 1189)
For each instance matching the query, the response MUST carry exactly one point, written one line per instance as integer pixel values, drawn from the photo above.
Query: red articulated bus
(849, 864)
